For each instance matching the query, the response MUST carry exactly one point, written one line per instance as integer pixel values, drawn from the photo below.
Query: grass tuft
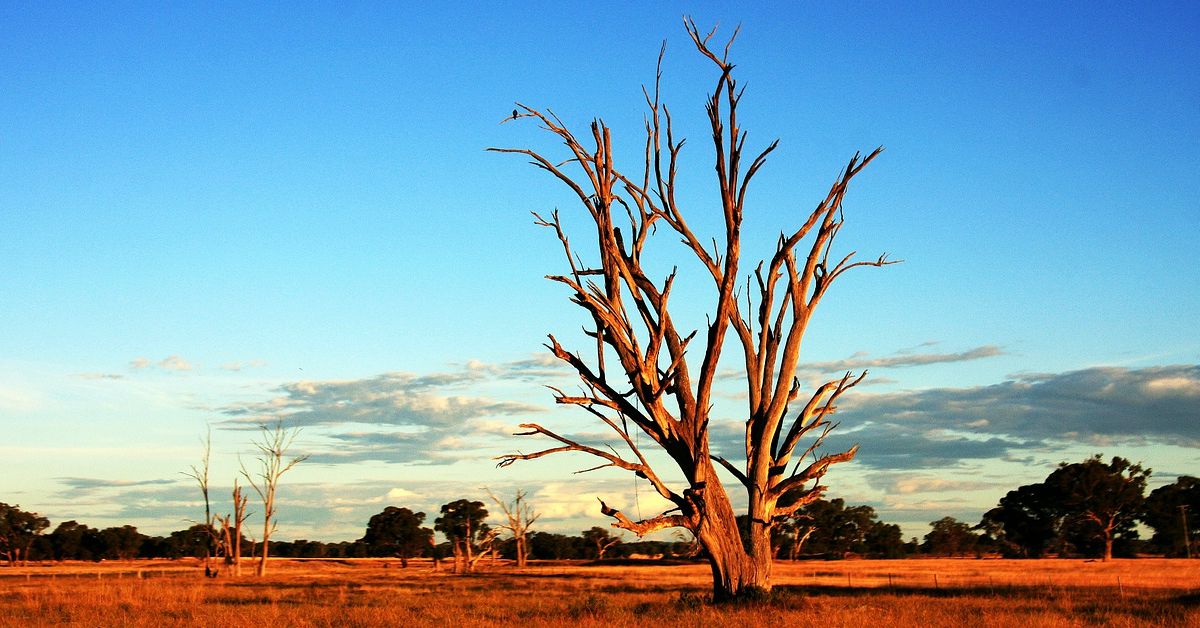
(592, 606)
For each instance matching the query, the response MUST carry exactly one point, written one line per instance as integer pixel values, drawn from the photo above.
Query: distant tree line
(1087, 509)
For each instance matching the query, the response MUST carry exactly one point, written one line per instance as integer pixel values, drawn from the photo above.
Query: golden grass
(965, 592)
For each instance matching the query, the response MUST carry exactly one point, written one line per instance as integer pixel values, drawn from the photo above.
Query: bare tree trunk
(798, 543)
(237, 551)
(486, 547)
(468, 564)
(239, 518)
(737, 571)
(224, 541)
(261, 569)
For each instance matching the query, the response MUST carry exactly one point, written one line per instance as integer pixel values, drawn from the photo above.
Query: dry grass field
(955, 592)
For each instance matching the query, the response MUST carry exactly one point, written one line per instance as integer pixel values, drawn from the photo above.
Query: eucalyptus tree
(463, 524)
(18, 530)
(397, 532)
(1101, 498)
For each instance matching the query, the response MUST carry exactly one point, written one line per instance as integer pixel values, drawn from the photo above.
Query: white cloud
(174, 363)
(1187, 386)
(580, 500)
(99, 376)
(905, 357)
(904, 483)
(401, 493)
(236, 366)
(18, 400)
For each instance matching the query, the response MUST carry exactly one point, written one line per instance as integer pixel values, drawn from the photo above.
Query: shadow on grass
(1005, 591)
(1189, 599)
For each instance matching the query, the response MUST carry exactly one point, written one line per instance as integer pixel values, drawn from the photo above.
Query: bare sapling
(200, 475)
(272, 451)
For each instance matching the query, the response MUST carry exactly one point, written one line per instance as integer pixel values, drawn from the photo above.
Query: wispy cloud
(88, 485)
(904, 358)
(396, 399)
(541, 366)
(170, 363)
(907, 483)
(236, 366)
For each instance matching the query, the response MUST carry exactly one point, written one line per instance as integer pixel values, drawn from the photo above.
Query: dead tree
(230, 530)
(520, 516)
(800, 534)
(275, 443)
(200, 475)
(662, 382)
(486, 547)
(601, 540)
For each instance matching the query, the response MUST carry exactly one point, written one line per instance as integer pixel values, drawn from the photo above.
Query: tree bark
(1108, 541)
(738, 571)
(262, 560)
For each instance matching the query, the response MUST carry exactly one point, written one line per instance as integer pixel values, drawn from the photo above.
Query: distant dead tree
(230, 529)
(200, 475)
(656, 386)
(520, 516)
(800, 533)
(601, 540)
(485, 548)
(272, 449)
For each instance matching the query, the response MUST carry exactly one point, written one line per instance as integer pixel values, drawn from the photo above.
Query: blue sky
(211, 213)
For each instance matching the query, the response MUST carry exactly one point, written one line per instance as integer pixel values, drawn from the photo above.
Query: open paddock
(369, 592)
